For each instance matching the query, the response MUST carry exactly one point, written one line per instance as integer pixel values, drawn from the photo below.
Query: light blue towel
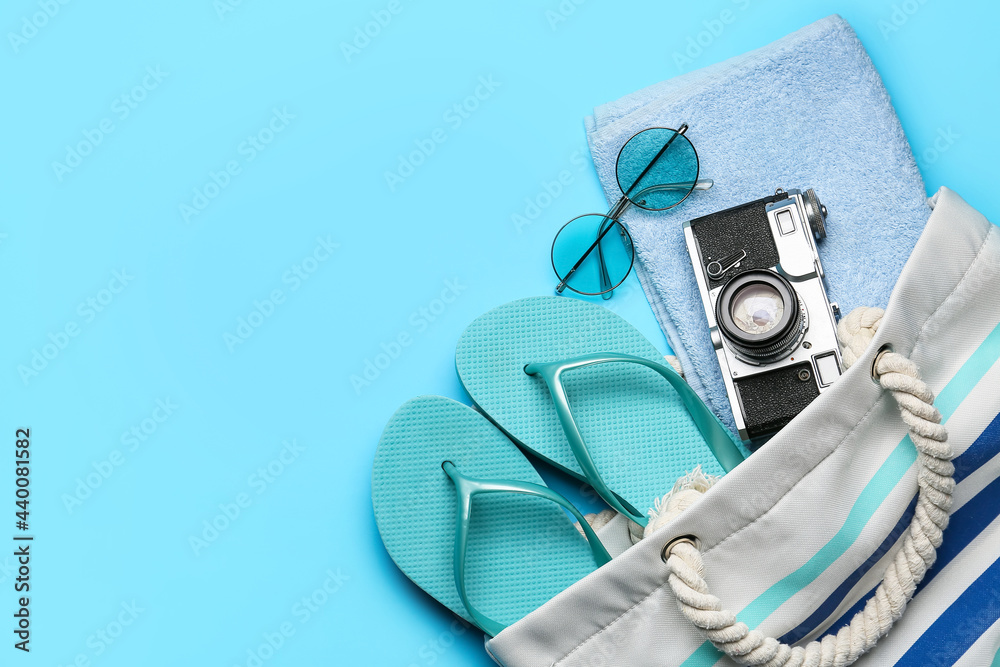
(808, 110)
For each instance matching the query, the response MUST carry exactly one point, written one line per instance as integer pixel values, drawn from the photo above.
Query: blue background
(126, 537)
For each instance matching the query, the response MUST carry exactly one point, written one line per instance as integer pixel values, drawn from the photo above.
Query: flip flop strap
(718, 439)
(466, 488)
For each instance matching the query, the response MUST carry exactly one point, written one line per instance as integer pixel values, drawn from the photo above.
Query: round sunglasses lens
(657, 168)
(578, 261)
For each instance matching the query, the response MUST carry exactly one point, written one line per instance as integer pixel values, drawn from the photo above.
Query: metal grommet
(668, 547)
(882, 351)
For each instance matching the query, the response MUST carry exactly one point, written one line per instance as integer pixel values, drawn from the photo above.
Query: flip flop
(465, 516)
(581, 388)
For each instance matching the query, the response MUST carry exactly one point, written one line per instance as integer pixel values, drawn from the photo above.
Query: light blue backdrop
(201, 249)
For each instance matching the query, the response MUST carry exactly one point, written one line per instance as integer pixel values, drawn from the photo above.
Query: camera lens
(757, 308)
(760, 316)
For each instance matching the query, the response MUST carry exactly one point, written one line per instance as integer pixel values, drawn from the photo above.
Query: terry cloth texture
(807, 111)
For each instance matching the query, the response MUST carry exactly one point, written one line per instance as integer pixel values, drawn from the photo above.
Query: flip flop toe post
(465, 516)
(578, 386)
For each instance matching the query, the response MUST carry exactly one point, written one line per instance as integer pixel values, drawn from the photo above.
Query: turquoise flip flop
(464, 515)
(580, 387)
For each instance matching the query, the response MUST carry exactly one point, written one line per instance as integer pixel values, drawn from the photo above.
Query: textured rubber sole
(522, 550)
(637, 430)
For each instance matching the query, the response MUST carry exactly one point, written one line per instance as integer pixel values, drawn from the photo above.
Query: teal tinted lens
(574, 241)
(657, 168)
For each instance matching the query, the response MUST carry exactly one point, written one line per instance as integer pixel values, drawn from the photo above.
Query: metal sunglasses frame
(612, 217)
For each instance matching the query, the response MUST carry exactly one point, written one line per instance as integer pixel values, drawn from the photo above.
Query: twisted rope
(687, 490)
(934, 478)
(856, 331)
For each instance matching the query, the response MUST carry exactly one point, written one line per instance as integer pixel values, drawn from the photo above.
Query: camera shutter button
(714, 269)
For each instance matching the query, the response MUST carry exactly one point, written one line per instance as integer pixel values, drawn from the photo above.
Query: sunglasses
(656, 169)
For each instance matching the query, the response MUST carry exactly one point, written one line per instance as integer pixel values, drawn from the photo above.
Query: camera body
(772, 326)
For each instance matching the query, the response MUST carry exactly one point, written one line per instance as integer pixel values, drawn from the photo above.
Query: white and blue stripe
(951, 623)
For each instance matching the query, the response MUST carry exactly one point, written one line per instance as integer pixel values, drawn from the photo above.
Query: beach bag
(808, 552)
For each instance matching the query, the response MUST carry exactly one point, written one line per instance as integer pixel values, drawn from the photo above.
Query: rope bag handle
(686, 568)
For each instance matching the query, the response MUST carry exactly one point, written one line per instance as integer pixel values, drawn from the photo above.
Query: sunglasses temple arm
(606, 286)
(700, 184)
(607, 289)
(617, 210)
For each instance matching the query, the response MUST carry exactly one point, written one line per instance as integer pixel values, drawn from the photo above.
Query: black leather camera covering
(742, 227)
(771, 400)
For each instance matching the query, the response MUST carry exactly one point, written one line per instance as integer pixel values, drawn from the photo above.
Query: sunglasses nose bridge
(619, 209)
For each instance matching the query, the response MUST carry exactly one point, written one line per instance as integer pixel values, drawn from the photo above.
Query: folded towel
(808, 110)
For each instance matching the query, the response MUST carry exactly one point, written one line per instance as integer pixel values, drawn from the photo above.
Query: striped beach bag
(866, 532)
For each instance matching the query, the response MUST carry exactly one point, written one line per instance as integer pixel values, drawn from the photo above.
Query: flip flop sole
(522, 550)
(637, 430)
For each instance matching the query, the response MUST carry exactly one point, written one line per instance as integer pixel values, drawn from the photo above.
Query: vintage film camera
(772, 326)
